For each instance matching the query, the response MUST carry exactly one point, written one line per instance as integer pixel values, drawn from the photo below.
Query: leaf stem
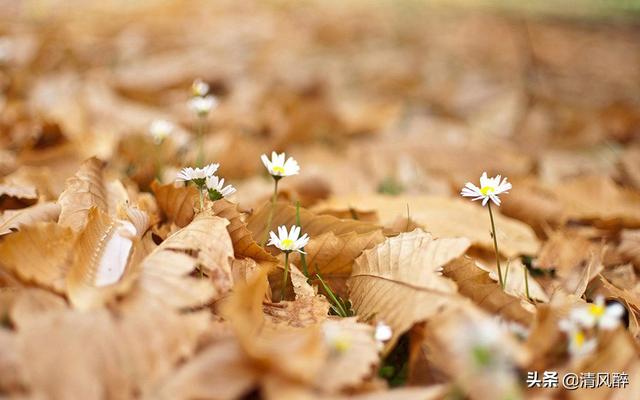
(495, 245)
(526, 281)
(202, 122)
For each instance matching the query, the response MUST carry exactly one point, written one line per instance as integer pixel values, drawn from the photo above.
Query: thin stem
(158, 163)
(273, 206)
(201, 198)
(303, 256)
(495, 245)
(338, 305)
(202, 122)
(285, 278)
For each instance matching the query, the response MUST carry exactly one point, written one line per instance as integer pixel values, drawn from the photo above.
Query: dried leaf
(244, 243)
(444, 217)
(176, 203)
(476, 284)
(12, 220)
(39, 254)
(398, 281)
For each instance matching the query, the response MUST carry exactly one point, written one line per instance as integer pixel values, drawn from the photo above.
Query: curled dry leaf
(176, 203)
(12, 220)
(15, 195)
(104, 260)
(445, 217)
(88, 189)
(39, 254)
(398, 281)
(244, 243)
(203, 244)
(475, 283)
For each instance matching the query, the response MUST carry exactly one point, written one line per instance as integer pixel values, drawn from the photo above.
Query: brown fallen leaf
(176, 203)
(398, 281)
(203, 244)
(244, 243)
(475, 283)
(12, 220)
(40, 254)
(15, 195)
(444, 217)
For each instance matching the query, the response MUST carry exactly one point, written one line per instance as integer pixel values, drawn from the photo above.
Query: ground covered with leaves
(122, 277)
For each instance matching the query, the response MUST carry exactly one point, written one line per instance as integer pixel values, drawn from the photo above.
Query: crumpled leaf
(244, 243)
(102, 267)
(176, 203)
(475, 283)
(205, 244)
(12, 220)
(40, 254)
(398, 281)
(445, 217)
(87, 189)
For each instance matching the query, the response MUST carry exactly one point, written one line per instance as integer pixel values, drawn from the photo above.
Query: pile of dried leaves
(116, 284)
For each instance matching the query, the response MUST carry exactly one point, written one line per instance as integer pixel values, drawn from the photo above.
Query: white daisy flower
(278, 167)
(203, 105)
(579, 346)
(199, 88)
(216, 188)
(382, 334)
(490, 189)
(288, 241)
(197, 175)
(160, 130)
(598, 314)
(335, 337)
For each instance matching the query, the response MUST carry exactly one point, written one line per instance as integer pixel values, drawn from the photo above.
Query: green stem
(202, 122)
(338, 305)
(285, 278)
(158, 164)
(273, 206)
(495, 245)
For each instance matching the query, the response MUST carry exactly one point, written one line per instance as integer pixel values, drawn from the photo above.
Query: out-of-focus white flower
(216, 188)
(490, 189)
(197, 175)
(335, 337)
(203, 105)
(278, 167)
(579, 345)
(382, 334)
(160, 130)
(598, 314)
(199, 88)
(288, 241)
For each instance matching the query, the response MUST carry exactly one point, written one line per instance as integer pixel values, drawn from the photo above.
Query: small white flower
(579, 346)
(489, 189)
(288, 241)
(335, 337)
(199, 88)
(382, 334)
(278, 167)
(216, 188)
(598, 314)
(203, 105)
(197, 175)
(160, 130)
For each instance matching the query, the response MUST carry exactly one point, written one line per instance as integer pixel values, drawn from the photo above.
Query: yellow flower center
(278, 169)
(287, 243)
(578, 337)
(596, 310)
(341, 344)
(486, 190)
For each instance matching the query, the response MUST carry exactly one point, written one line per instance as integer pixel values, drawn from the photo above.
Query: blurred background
(370, 96)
